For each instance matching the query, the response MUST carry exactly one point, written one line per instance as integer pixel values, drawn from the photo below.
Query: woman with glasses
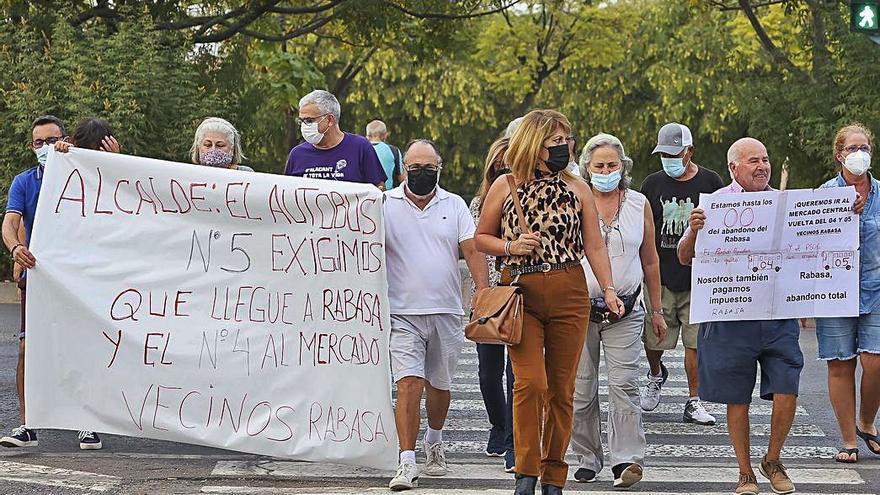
(627, 227)
(491, 357)
(218, 144)
(543, 258)
(844, 342)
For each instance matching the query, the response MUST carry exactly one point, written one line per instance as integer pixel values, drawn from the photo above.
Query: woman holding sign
(562, 227)
(842, 340)
(627, 226)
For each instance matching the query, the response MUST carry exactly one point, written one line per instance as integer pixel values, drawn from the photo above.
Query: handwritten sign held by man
(775, 255)
(200, 305)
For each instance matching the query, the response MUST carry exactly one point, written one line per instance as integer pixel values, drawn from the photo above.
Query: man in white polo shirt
(424, 228)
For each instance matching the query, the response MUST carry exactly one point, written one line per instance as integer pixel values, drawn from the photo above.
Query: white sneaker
(435, 463)
(650, 395)
(407, 477)
(694, 412)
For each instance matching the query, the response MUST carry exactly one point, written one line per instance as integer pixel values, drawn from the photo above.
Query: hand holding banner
(775, 255)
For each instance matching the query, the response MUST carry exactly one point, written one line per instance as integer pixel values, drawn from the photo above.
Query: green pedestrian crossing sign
(865, 17)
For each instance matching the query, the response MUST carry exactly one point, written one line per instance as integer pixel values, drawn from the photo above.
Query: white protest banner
(217, 307)
(774, 255)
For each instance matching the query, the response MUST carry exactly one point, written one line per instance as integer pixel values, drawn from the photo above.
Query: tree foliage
(788, 72)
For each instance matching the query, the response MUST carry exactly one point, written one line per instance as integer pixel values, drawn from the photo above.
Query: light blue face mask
(605, 182)
(674, 167)
(43, 154)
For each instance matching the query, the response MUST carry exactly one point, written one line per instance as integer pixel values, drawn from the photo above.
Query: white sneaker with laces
(407, 477)
(435, 463)
(650, 395)
(694, 412)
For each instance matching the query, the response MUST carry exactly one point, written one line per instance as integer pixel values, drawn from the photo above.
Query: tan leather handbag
(497, 316)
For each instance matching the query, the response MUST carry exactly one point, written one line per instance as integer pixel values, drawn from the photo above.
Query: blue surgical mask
(43, 154)
(605, 182)
(674, 167)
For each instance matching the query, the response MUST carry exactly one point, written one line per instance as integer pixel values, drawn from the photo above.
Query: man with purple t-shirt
(328, 153)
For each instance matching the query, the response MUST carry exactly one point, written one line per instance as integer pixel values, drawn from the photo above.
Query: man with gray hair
(328, 153)
(672, 193)
(730, 351)
(424, 228)
(389, 155)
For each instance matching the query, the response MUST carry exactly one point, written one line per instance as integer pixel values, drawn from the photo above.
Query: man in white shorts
(424, 228)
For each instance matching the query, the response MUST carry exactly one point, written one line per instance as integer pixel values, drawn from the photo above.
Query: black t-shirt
(671, 202)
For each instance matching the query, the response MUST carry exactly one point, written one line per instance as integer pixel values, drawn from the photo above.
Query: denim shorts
(729, 353)
(846, 338)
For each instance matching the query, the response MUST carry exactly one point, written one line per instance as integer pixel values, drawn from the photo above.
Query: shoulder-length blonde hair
(844, 133)
(525, 145)
(490, 171)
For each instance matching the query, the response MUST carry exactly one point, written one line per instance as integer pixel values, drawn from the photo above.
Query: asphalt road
(132, 465)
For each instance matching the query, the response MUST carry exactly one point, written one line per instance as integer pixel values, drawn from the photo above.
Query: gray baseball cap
(673, 138)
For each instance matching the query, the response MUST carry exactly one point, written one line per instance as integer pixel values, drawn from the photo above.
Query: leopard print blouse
(551, 208)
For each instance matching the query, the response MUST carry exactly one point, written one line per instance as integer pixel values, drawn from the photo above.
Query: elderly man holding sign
(729, 351)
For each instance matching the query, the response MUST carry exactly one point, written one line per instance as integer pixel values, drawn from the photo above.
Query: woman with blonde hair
(218, 144)
(564, 227)
(843, 340)
(490, 357)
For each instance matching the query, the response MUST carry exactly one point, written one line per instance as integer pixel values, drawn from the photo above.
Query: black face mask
(558, 159)
(421, 181)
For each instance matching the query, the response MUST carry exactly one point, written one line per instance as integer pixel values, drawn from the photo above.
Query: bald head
(422, 152)
(376, 131)
(749, 164)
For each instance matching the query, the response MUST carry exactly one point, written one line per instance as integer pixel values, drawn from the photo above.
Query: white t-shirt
(624, 245)
(421, 252)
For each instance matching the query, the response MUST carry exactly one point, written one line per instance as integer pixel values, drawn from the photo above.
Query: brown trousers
(545, 362)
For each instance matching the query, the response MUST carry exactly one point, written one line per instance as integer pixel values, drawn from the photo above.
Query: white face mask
(43, 154)
(858, 163)
(310, 132)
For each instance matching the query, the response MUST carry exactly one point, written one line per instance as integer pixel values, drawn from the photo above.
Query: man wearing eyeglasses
(424, 228)
(328, 153)
(22, 206)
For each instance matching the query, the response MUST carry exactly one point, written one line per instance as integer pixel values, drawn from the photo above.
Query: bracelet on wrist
(610, 287)
(12, 251)
(507, 248)
(657, 312)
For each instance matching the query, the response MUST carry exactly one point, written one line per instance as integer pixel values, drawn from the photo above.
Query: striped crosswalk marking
(487, 471)
(56, 477)
(671, 443)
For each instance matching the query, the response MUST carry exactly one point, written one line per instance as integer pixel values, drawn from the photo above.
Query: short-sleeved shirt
(421, 252)
(671, 203)
(390, 158)
(869, 247)
(23, 195)
(352, 160)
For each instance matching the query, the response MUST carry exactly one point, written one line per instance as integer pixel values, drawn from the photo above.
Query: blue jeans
(499, 405)
(846, 337)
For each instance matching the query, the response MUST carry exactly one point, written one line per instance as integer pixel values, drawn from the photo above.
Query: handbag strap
(523, 227)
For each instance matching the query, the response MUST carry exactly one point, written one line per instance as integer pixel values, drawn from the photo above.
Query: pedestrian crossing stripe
(465, 426)
(671, 365)
(252, 490)
(603, 390)
(711, 407)
(57, 477)
(489, 472)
